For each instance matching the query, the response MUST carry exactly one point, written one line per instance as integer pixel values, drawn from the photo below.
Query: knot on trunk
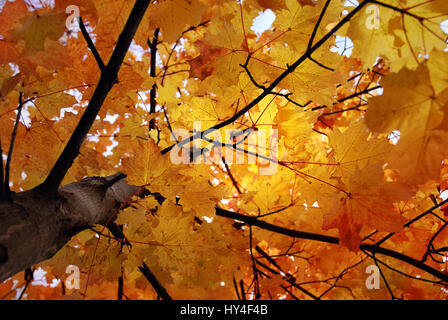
(94, 199)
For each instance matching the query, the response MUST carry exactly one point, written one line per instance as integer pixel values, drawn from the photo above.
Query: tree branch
(407, 224)
(120, 286)
(254, 221)
(114, 180)
(161, 291)
(29, 276)
(399, 256)
(288, 277)
(91, 45)
(319, 20)
(153, 47)
(105, 84)
(275, 83)
(6, 190)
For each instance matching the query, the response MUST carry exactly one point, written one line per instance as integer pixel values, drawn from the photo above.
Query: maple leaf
(36, 29)
(202, 65)
(368, 203)
(410, 106)
(175, 15)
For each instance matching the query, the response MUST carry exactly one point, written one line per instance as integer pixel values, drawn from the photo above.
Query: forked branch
(91, 46)
(107, 80)
(268, 90)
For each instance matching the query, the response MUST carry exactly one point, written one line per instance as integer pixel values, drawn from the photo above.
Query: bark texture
(33, 226)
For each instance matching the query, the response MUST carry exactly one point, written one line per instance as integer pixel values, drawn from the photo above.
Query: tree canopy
(260, 163)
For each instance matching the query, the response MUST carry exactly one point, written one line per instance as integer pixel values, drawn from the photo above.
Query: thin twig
(29, 273)
(288, 277)
(289, 292)
(232, 178)
(236, 289)
(410, 222)
(384, 278)
(243, 293)
(254, 266)
(91, 45)
(316, 27)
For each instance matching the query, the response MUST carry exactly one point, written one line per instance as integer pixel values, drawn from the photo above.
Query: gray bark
(33, 226)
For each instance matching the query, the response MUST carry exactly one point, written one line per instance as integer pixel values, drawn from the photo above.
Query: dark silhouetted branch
(268, 90)
(120, 286)
(114, 180)
(410, 222)
(319, 20)
(161, 291)
(105, 84)
(29, 276)
(153, 47)
(91, 46)
(254, 221)
(6, 190)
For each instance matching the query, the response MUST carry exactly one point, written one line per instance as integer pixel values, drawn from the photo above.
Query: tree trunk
(33, 226)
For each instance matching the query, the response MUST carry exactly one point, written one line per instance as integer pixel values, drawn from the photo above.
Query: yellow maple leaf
(36, 29)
